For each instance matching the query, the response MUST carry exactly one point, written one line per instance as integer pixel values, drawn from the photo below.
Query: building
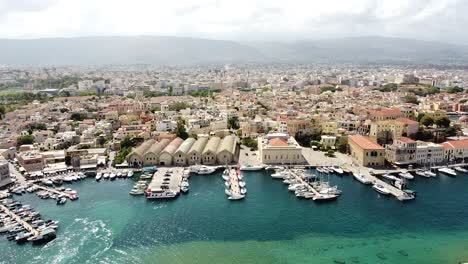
(456, 150)
(227, 150)
(166, 156)
(279, 148)
(429, 153)
(365, 152)
(180, 155)
(329, 128)
(210, 150)
(135, 157)
(385, 114)
(195, 153)
(5, 178)
(31, 161)
(402, 151)
(328, 141)
(151, 156)
(385, 131)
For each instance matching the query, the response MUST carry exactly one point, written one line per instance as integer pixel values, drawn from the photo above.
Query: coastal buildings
(31, 161)
(365, 152)
(384, 131)
(5, 178)
(456, 150)
(180, 156)
(428, 153)
(402, 151)
(279, 148)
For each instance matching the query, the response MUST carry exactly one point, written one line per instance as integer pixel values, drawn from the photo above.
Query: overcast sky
(285, 20)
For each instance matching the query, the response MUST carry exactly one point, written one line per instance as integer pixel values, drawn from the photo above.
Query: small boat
(137, 192)
(227, 192)
(47, 182)
(422, 174)
(460, 169)
(400, 184)
(130, 174)
(68, 179)
(324, 197)
(337, 169)
(98, 176)
(226, 177)
(118, 174)
(381, 189)
(430, 173)
(251, 167)
(184, 189)
(243, 191)
(448, 171)
(106, 175)
(146, 176)
(112, 176)
(269, 168)
(236, 197)
(389, 177)
(405, 174)
(61, 200)
(362, 178)
(242, 183)
(277, 175)
(57, 181)
(203, 170)
(227, 183)
(293, 187)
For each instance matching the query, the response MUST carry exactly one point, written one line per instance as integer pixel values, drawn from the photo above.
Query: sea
(271, 225)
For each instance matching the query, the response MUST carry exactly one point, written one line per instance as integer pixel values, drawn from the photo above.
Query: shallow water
(270, 226)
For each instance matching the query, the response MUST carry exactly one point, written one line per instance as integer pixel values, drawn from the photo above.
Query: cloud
(442, 20)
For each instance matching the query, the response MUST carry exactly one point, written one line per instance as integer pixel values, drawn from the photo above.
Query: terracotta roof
(386, 112)
(455, 144)
(407, 121)
(407, 140)
(365, 142)
(278, 142)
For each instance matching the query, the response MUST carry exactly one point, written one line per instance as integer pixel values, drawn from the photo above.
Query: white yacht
(98, 176)
(160, 194)
(337, 169)
(362, 178)
(273, 168)
(137, 191)
(381, 189)
(243, 191)
(227, 192)
(242, 183)
(430, 173)
(278, 174)
(294, 186)
(389, 177)
(206, 170)
(251, 167)
(448, 171)
(236, 197)
(106, 175)
(422, 174)
(324, 197)
(460, 169)
(112, 176)
(130, 174)
(406, 175)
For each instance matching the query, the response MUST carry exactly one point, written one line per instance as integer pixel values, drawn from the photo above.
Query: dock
(70, 196)
(27, 226)
(234, 182)
(174, 181)
(399, 194)
(309, 187)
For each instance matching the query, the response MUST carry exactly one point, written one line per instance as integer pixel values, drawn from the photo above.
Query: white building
(429, 153)
(279, 148)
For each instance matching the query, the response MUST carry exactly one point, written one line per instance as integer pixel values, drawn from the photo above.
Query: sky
(243, 20)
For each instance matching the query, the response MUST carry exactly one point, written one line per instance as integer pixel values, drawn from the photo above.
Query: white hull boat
(381, 189)
(362, 178)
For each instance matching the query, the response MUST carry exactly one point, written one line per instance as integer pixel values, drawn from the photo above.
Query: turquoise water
(106, 225)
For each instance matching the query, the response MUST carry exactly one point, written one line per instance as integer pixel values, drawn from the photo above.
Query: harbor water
(106, 225)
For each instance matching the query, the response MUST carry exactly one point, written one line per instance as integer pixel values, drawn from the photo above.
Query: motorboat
(227, 192)
(146, 176)
(112, 176)
(381, 189)
(422, 174)
(227, 183)
(160, 194)
(406, 175)
(236, 197)
(324, 197)
(400, 184)
(242, 183)
(118, 174)
(130, 174)
(460, 169)
(448, 171)
(362, 178)
(270, 168)
(337, 169)
(203, 170)
(137, 191)
(243, 191)
(45, 236)
(67, 179)
(47, 182)
(106, 175)
(389, 177)
(251, 167)
(184, 189)
(22, 237)
(430, 173)
(293, 187)
(277, 175)
(98, 176)
(226, 177)
(61, 200)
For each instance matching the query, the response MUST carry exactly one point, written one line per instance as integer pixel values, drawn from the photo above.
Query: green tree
(25, 140)
(250, 142)
(180, 130)
(442, 121)
(410, 99)
(455, 89)
(77, 116)
(233, 122)
(427, 121)
(177, 106)
(342, 144)
(2, 111)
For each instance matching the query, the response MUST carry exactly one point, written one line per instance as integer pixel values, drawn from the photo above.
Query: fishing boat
(362, 178)
(381, 189)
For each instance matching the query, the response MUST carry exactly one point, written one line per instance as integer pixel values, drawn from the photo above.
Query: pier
(19, 220)
(70, 196)
(309, 187)
(174, 180)
(399, 194)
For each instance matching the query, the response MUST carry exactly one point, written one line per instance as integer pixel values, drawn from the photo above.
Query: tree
(342, 144)
(25, 140)
(77, 116)
(233, 122)
(2, 111)
(180, 130)
(442, 121)
(455, 89)
(250, 142)
(126, 142)
(177, 106)
(410, 99)
(239, 132)
(330, 153)
(427, 121)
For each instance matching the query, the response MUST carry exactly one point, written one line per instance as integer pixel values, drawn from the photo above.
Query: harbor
(166, 183)
(234, 183)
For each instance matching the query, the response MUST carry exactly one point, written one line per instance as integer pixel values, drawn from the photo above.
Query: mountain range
(189, 51)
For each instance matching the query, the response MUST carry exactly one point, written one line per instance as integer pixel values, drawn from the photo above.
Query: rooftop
(365, 142)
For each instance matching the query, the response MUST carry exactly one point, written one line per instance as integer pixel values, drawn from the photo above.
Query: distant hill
(185, 51)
